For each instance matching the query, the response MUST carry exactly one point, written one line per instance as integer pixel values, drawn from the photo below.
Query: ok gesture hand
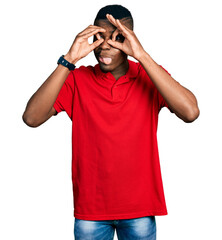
(81, 47)
(131, 45)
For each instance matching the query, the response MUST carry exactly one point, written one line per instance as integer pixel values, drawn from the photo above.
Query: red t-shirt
(115, 162)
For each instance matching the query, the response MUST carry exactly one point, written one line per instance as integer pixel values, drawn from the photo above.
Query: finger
(111, 19)
(116, 33)
(93, 32)
(92, 28)
(115, 44)
(118, 24)
(122, 27)
(95, 44)
(98, 36)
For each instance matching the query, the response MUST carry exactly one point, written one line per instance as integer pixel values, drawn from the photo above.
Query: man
(114, 110)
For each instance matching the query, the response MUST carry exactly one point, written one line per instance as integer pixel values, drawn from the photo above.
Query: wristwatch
(65, 63)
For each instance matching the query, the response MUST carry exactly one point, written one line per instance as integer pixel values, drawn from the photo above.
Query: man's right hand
(81, 47)
(40, 106)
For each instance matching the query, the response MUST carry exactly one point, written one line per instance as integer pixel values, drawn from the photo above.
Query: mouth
(106, 60)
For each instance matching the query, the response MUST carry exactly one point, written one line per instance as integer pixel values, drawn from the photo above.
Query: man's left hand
(131, 45)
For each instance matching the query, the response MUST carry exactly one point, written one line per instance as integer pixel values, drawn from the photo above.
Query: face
(109, 58)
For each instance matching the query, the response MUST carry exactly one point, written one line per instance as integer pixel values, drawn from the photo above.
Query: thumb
(96, 43)
(115, 44)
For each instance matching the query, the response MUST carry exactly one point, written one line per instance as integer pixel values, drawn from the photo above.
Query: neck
(121, 70)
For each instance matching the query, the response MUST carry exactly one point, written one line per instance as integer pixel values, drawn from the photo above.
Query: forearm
(40, 104)
(181, 100)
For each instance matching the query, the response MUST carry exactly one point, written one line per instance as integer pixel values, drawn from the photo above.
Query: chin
(106, 68)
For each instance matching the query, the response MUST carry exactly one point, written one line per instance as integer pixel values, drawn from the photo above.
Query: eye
(101, 35)
(120, 37)
(95, 37)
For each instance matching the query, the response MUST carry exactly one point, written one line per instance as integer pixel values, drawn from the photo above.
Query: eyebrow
(109, 31)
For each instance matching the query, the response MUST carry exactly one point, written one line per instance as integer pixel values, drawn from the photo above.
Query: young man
(114, 110)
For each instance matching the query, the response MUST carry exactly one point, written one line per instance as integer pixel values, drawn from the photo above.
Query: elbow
(192, 115)
(29, 120)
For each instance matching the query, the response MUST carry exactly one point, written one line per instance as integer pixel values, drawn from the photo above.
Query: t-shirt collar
(130, 75)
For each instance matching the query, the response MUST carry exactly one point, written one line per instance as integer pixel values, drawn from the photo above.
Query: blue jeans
(143, 228)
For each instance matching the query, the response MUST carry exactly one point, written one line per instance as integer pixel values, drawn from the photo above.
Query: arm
(40, 106)
(179, 99)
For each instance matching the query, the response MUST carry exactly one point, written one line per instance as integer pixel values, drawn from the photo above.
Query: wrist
(64, 62)
(70, 59)
(142, 55)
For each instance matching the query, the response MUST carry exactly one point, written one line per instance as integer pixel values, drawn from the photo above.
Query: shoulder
(84, 74)
(83, 71)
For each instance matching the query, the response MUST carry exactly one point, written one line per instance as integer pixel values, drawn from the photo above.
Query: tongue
(107, 60)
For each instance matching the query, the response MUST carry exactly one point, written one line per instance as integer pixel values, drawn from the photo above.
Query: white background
(36, 199)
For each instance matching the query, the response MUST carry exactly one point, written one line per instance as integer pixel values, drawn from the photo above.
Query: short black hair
(117, 11)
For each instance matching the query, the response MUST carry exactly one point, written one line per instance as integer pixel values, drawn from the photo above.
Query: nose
(105, 45)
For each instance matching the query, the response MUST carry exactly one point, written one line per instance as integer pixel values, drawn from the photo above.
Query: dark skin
(119, 65)
(180, 99)
(40, 106)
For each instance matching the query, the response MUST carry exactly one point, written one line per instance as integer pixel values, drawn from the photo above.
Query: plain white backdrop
(184, 37)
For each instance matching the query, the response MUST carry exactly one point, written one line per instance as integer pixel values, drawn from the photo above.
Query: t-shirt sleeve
(64, 100)
(161, 101)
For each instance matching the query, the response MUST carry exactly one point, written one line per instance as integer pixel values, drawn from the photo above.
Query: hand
(81, 47)
(131, 45)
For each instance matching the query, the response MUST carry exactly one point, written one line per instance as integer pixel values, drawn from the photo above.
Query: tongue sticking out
(106, 60)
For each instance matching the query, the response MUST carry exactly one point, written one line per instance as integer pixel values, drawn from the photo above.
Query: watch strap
(65, 63)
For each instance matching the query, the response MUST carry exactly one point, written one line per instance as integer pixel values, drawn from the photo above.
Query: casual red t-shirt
(115, 162)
